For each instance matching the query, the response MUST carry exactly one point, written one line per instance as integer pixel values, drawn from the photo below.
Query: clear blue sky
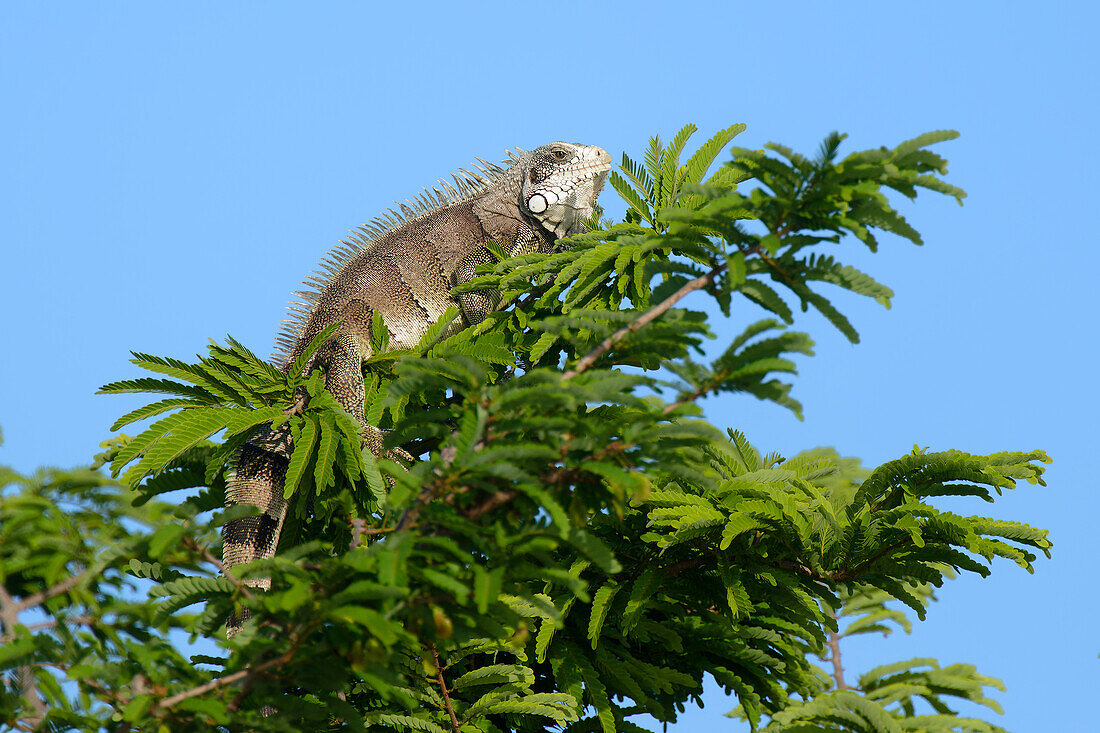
(171, 171)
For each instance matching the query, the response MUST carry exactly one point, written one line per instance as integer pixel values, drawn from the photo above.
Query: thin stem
(56, 589)
(497, 499)
(591, 357)
(443, 689)
(849, 574)
(9, 619)
(223, 681)
(413, 513)
(52, 624)
(358, 531)
(202, 689)
(194, 546)
(834, 649)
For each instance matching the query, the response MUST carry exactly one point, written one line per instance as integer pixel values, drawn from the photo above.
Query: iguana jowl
(404, 267)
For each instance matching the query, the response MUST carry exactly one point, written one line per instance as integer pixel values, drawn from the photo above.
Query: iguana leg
(343, 361)
(477, 305)
(343, 358)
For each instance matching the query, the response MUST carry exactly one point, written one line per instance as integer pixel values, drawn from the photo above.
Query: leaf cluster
(908, 695)
(573, 545)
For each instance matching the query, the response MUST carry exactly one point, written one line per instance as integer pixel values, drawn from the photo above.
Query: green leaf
(496, 674)
(327, 443)
(299, 459)
(601, 603)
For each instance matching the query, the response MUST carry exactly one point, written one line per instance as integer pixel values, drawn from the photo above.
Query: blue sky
(171, 171)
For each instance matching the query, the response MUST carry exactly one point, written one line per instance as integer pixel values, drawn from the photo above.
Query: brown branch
(592, 356)
(191, 544)
(834, 649)
(850, 574)
(370, 531)
(56, 589)
(803, 569)
(300, 402)
(223, 681)
(498, 499)
(503, 496)
(674, 570)
(358, 531)
(443, 689)
(114, 695)
(9, 619)
(53, 623)
(201, 689)
(9, 610)
(413, 513)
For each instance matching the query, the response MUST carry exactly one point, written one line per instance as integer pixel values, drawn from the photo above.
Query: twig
(191, 544)
(674, 570)
(590, 358)
(834, 648)
(358, 530)
(849, 574)
(300, 402)
(413, 513)
(697, 393)
(497, 499)
(53, 623)
(204, 688)
(222, 682)
(56, 589)
(210, 558)
(9, 619)
(443, 689)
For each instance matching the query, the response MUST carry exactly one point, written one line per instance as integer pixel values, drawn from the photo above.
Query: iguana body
(404, 268)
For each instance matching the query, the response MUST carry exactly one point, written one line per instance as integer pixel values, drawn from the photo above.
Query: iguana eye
(559, 154)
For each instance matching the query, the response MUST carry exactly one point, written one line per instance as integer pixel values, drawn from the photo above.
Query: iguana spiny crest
(403, 265)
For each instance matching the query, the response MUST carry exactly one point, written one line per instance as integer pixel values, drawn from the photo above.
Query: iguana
(403, 266)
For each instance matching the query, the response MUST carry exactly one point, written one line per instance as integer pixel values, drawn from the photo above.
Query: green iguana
(404, 266)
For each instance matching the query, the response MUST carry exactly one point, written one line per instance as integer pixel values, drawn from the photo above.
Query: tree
(575, 544)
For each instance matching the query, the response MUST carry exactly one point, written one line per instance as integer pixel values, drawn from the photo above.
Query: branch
(201, 689)
(413, 513)
(223, 681)
(850, 574)
(834, 649)
(497, 499)
(674, 570)
(358, 531)
(443, 689)
(301, 400)
(53, 623)
(191, 544)
(9, 618)
(590, 358)
(9, 610)
(56, 589)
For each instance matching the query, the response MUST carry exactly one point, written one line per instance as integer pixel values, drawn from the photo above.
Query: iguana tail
(258, 480)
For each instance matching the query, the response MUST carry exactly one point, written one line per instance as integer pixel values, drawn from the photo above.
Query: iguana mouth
(593, 168)
(598, 169)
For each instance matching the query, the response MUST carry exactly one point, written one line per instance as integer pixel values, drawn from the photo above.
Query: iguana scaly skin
(404, 266)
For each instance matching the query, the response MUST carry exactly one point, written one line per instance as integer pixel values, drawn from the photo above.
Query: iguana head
(561, 182)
